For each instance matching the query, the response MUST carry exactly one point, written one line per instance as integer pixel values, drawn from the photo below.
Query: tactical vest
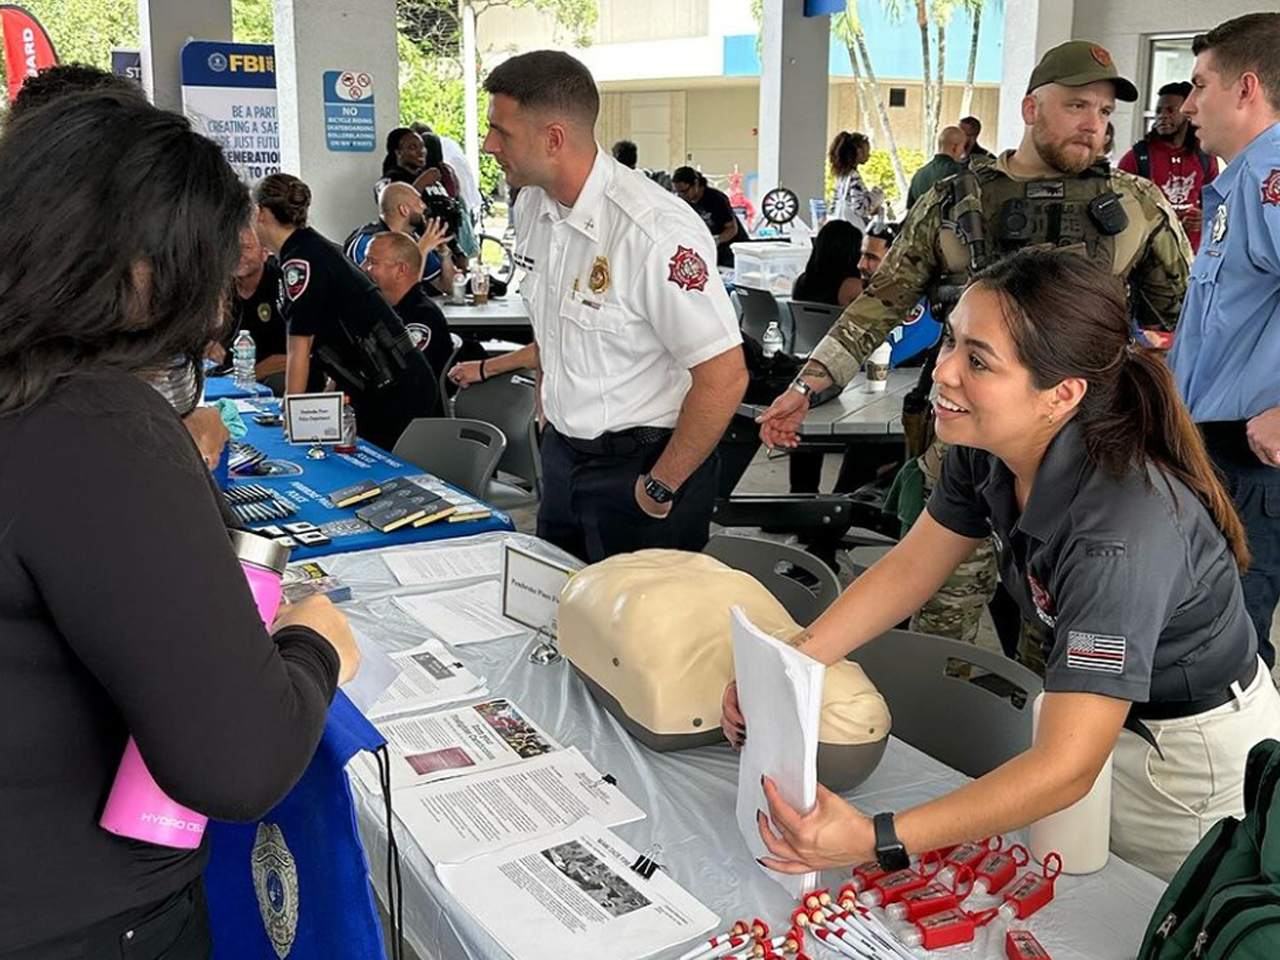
(988, 215)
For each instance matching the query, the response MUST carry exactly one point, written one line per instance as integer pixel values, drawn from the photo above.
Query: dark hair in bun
(287, 197)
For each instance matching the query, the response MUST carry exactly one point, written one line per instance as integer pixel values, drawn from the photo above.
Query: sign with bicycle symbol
(349, 125)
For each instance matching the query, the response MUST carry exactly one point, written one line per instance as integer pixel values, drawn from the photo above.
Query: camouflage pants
(955, 610)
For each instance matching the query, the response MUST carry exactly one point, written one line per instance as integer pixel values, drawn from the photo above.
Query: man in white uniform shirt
(639, 361)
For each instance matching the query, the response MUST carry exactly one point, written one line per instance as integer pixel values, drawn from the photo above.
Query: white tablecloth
(689, 797)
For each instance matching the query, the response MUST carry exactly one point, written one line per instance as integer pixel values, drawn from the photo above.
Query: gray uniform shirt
(1130, 581)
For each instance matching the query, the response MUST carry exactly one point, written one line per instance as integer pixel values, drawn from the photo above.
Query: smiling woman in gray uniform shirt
(1116, 538)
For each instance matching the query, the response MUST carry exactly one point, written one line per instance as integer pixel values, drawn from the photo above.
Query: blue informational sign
(127, 63)
(348, 112)
(818, 8)
(229, 94)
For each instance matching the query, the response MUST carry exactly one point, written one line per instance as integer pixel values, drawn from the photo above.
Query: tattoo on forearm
(814, 369)
(800, 639)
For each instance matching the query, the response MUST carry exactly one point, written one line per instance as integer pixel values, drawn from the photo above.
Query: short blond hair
(401, 248)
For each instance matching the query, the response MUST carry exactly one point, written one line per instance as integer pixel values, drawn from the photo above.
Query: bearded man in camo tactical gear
(1054, 190)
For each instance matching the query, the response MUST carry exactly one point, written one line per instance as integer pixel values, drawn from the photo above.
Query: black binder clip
(647, 863)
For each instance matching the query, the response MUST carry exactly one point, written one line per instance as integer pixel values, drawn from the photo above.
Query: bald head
(952, 141)
(396, 195)
(394, 263)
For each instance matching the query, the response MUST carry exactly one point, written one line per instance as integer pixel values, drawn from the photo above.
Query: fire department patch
(1271, 187)
(297, 274)
(688, 270)
(1043, 602)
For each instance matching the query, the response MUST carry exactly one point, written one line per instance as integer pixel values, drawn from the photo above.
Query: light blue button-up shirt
(1226, 355)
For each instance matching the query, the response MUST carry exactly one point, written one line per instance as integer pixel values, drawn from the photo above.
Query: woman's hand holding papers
(833, 834)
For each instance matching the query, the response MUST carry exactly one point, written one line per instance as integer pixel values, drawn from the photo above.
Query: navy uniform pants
(589, 502)
(1255, 488)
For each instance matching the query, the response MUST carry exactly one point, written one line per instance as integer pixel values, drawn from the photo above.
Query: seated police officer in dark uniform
(337, 318)
(1118, 541)
(394, 262)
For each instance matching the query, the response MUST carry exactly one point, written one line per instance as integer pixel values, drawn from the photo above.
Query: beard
(418, 221)
(1169, 137)
(1055, 153)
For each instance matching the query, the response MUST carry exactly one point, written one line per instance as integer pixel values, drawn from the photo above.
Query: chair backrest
(801, 582)
(446, 398)
(965, 706)
(508, 401)
(810, 323)
(759, 309)
(461, 452)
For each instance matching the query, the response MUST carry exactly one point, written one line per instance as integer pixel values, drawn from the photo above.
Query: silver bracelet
(801, 387)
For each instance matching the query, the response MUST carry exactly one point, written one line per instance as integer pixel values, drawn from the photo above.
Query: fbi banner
(27, 47)
(229, 94)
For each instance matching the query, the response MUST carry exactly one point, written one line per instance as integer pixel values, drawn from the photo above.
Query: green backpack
(1224, 901)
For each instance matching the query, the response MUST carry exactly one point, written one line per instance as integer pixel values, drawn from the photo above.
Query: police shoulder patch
(297, 274)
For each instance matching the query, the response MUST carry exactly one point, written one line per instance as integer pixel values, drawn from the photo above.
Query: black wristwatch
(658, 491)
(890, 853)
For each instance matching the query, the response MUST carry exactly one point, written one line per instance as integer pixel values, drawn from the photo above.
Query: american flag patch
(1095, 651)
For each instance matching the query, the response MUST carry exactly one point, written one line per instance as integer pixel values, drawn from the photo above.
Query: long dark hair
(833, 260)
(844, 150)
(1068, 318)
(120, 231)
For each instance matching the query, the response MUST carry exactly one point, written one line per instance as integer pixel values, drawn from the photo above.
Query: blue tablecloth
(224, 388)
(306, 482)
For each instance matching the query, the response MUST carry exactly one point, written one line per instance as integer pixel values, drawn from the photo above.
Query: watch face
(657, 491)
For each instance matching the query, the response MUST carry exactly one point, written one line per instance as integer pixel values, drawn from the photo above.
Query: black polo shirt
(260, 314)
(714, 209)
(1130, 582)
(427, 325)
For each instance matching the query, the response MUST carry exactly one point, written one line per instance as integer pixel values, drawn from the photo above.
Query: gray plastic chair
(810, 323)
(973, 718)
(460, 452)
(508, 401)
(446, 401)
(775, 565)
(759, 309)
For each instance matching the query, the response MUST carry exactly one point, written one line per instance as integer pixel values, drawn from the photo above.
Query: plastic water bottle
(244, 359)
(772, 339)
(459, 294)
(348, 444)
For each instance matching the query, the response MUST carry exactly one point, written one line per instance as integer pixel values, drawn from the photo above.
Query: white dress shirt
(624, 297)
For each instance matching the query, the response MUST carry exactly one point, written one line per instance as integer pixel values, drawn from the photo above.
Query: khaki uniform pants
(1161, 808)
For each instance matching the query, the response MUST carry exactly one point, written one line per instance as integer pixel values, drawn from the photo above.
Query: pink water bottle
(137, 808)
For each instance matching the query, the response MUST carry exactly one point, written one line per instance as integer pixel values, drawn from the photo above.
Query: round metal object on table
(780, 206)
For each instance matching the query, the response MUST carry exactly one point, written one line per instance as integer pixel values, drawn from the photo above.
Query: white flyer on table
(445, 564)
(378, 672)
(429, 676)
(780, 693)
(471, 816)
(454, 743)
(466, 615)
(574, 894)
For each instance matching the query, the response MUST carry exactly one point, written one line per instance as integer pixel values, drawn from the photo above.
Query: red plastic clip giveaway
(1023, 945)
(948, 928)
(998, 868)
(932, 898)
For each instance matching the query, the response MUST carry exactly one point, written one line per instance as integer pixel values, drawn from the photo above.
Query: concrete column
(794, 68)
(1030, 28)
(470, 65)
(311, 38)
(164, 26)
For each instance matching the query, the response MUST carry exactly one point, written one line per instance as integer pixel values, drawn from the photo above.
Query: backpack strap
(1142, 153)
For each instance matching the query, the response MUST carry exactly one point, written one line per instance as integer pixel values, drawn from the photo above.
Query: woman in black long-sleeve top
(123, 609)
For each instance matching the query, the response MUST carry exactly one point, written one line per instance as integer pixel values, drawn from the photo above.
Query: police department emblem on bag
(297, 274)
(688, 270)
(598, 282)
(1271, 187)
(275, 880)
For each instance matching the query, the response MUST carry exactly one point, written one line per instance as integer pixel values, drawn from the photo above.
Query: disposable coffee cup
(878, 368)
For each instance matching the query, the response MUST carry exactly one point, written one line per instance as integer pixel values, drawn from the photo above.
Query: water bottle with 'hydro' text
(136, 807)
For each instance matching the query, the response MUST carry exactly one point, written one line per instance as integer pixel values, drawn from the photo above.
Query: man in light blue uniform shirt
(1226, 357)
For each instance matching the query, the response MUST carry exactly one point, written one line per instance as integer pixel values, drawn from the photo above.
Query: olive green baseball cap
(1077, 63)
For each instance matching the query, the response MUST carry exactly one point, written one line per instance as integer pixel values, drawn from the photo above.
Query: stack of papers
(464, 615)
(429, 677)
(445, 564)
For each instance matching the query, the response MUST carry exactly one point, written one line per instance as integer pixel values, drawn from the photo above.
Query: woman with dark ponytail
(1071, 447)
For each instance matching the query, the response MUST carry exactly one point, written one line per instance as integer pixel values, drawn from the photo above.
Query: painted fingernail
(760, 814)
(762, 779)
(760, 861)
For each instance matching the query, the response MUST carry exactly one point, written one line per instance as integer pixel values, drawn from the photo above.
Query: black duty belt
(1176, 709)
(620, 442)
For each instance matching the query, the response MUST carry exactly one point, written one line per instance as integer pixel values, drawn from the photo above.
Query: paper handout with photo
(429, 677)
(470, 816)
(574, 894)
(780, 693)
(454, 743)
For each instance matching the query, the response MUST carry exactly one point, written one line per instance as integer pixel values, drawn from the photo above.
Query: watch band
(802, 387)
(658, 491)
(890, 853)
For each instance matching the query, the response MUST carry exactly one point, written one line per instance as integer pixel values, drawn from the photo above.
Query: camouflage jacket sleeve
(1159, 277)
(905, 276)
